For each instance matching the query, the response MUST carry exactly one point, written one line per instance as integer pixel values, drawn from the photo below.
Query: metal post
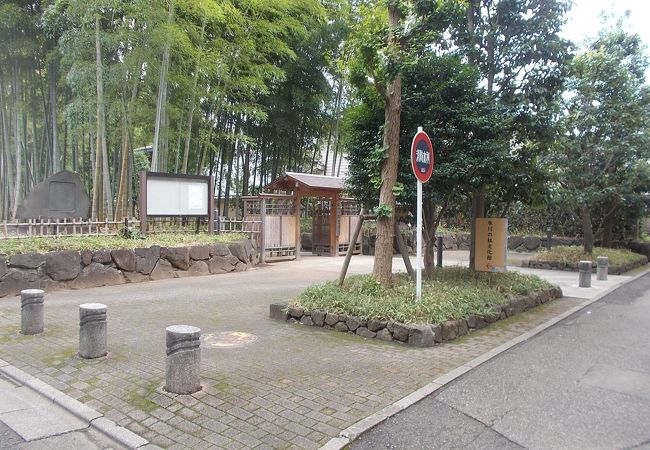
(439, 241)
(418, 257)
(143, 203)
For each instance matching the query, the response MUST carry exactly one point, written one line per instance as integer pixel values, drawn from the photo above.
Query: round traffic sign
(422, 156)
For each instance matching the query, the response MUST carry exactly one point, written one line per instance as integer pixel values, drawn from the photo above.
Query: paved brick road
(294, 387)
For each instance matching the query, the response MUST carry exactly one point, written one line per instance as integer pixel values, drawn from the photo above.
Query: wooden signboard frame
(180, 178)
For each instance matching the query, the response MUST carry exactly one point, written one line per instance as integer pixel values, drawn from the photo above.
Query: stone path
(269, 385)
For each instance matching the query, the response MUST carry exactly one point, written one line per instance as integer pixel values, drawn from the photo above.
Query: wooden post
(355, 236)
(211, 205)
(348, 255)
(297, 214)
(402, 249)
(262, 230)
(334, 238)
(143, 203)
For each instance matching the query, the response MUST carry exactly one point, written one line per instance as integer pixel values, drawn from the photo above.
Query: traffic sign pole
(422, 161)
(418, 255)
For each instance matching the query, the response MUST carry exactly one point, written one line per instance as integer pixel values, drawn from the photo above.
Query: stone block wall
(461, 241)
(573, 267)
(93, 268)
(422, 335)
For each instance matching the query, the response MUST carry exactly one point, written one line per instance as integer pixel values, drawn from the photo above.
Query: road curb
(351, 433)
(95, 419)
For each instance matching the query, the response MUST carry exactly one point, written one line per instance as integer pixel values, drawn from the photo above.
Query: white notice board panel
(168, 196)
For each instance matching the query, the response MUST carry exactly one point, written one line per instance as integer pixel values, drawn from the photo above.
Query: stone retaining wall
(573, 267)
(414, 335)
(460, 241)
(92, 268)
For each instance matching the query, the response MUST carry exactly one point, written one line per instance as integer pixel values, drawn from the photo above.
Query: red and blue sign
(422, 156)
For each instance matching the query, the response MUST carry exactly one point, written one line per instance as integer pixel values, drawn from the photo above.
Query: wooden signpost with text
(422, 162)
(491, 245)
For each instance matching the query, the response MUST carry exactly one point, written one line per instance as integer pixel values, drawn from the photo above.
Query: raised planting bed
(567, 258)
(454, 302)
(78, 269)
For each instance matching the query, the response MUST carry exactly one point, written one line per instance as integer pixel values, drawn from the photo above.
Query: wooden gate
(278, 237)
(347, 218)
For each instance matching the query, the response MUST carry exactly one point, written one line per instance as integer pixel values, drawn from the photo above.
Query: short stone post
(602, 268)
(549, 237)
(31, 311)
(585, 274)
(183, 364)
(92, 330)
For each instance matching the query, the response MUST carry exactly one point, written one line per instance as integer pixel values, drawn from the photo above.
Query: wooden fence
(65, 227)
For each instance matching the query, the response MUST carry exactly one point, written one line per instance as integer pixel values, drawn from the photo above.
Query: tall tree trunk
(479, 194)
(123, 198)
(383, 264)
(587, 229)
(52, 72)
(17, 101)
(195, 80)
(5, 113)
(105, 203)
(161, 103)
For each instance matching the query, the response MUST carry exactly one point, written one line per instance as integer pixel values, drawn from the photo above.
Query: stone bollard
(183, 364)
(585, 274)
(31, 311)
(92, 330)
(602, 268)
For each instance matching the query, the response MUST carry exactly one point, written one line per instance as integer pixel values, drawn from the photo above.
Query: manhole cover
(228, 339)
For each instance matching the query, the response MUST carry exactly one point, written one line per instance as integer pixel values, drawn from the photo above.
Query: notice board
(177, 195)
(491, 245)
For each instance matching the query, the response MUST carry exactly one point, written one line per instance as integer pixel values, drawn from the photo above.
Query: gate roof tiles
(292, 180)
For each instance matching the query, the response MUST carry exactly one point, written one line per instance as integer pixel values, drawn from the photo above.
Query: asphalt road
(582, 384)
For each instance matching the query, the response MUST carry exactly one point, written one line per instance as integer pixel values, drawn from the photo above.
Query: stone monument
(61, 196)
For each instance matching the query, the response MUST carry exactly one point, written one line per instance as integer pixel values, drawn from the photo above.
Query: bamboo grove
(239, 89)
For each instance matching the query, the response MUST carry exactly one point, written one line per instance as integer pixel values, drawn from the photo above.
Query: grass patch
(575, 254)
(452, 293)
(11, 247)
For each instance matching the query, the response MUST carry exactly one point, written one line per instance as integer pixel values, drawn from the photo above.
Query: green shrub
(574, 254)
(451, 293)
(11, 247)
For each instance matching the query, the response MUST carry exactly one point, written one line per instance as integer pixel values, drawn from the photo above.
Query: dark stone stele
(60, 196)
